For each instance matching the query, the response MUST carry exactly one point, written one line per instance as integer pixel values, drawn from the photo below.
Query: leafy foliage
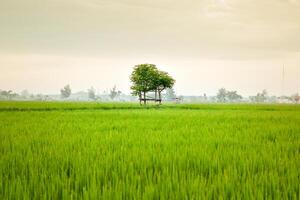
(66, 91)
(92, 93)
(170, 94)
(114, 93)
(146, 78)
(228, 96)
(221, 96)
(260, 97)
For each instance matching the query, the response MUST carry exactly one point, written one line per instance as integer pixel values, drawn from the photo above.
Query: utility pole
(282, 84)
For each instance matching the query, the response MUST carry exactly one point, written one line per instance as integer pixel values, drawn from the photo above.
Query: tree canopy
(92, 93)
(66, 91)
(225, 96)
(147, 78)
(114, 93)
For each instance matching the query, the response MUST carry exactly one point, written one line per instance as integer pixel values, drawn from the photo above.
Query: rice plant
(125, 151)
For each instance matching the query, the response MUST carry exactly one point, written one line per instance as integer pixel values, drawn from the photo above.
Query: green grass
(123, 151)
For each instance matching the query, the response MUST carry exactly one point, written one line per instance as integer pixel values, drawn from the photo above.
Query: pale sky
(204, 44)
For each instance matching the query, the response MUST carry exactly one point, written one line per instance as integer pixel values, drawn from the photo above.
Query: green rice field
(125, 151)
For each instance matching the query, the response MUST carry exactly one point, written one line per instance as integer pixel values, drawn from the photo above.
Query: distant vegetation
(148, 84)
(66, 91)
(92, 93)
(228, 96)
(114, 93)
(169, 96)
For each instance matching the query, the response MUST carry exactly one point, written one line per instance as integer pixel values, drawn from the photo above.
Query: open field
(114, 151)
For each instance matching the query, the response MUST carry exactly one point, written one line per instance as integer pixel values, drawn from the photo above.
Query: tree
(25, 94)
(40, 97)
(92, 93)
(224, 95)
(164, 81)
(114, 93)
(204, 97)
(8, 94)
(66, 91)
(233, 96)
(261, 97)
(221, 96)
(146, 78)
(13, 95)
(170, 94)
(295, 98)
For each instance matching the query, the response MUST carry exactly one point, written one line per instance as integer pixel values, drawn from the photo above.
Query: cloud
(237, 29)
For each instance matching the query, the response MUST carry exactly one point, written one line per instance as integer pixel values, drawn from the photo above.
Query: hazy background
(204, 44)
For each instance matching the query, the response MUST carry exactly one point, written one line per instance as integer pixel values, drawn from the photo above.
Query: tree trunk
(144, 98)
(159, 96)
(155, 95)
(140, 98)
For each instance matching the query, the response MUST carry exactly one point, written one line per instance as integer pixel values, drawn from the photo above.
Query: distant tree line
(7, 94)
(66, 92)
(228, 96)
(260, 97)
(149, 84)
(24, 95)
(223, 96)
